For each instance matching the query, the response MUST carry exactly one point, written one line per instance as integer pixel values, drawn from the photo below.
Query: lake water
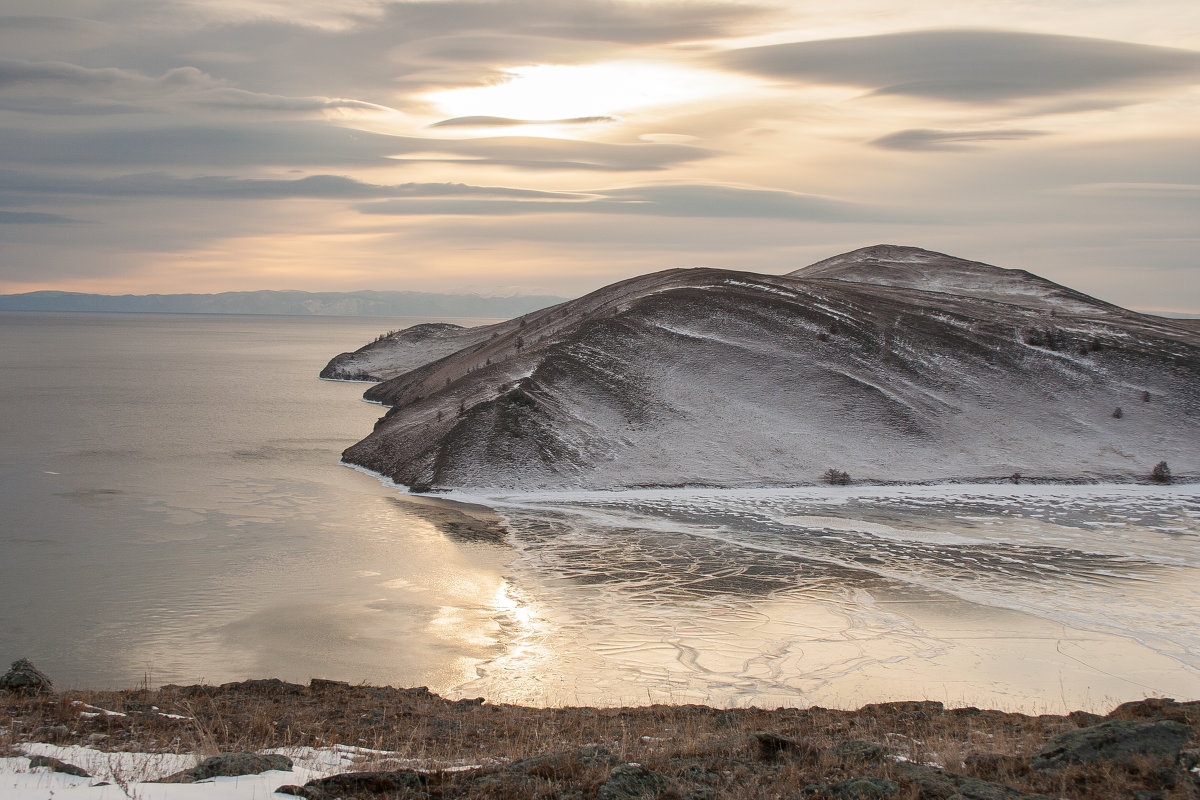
(174, 511)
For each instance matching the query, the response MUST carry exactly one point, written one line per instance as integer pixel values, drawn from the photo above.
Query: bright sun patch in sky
(552, 91)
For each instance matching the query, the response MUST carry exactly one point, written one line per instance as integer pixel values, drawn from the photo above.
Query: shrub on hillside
(836, 477)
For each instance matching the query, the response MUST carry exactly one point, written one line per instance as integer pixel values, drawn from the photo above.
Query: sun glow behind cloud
(561, 146)
(557, 91)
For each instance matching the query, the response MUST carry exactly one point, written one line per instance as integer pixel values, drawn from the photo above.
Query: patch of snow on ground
(131, 774)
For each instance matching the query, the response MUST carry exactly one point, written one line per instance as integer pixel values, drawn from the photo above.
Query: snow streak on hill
(893, 364)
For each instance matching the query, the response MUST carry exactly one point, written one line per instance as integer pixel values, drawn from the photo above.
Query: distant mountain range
(347, 304)
(886, 364)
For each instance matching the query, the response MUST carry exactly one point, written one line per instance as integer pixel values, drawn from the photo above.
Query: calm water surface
(174, 511)
(173, 507)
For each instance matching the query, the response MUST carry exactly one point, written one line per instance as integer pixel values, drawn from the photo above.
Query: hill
(892, 364)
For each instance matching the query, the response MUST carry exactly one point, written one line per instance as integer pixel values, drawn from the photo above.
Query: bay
(173, 510)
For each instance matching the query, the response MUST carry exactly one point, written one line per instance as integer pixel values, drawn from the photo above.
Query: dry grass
(705, 752)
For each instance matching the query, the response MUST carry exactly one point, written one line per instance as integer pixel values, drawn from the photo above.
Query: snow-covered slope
(401, 351)
(892, 364)
(914, 268)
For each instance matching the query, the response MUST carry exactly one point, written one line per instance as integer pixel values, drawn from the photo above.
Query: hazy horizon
(469, 146)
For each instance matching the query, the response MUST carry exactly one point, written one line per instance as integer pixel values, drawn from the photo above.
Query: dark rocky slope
(891, 363)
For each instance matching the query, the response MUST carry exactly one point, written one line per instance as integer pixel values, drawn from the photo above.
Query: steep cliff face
(892, 364)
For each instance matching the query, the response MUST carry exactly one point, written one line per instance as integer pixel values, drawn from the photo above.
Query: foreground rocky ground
(415, 744)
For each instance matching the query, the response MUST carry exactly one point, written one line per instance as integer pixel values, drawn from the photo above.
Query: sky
(543, 146)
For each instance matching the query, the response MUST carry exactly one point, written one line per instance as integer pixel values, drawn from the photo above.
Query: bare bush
(836, 477)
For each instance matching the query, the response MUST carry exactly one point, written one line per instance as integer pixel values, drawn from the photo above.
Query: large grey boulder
(1116, 740)
(24, 678)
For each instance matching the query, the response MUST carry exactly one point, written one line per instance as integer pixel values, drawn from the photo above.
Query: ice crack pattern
(800, 596)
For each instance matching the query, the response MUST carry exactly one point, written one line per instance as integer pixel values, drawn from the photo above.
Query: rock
(191, 690)
(632, 782)
(996, 765)
(556, 766)
(772, 745)
(976, 789)
(1152, 708)
(1082, 718)
(1115, 740)
(325, 685)
(914, 708)
(860, 752)
(230, 764)
(263, 686)
(503, 784)
(54, 765)
(361, 785)
(933, 783)
(856, 789)
(24, 678)
(467, 702)
(51, 733)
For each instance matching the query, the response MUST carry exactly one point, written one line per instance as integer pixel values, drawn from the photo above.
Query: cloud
(32, 218)
(311, 144)
(35, 23)
(240, 99)
(40, 75)
(491, 48)
(972, 66)
(504, 122)
(33, 36)
(58, 87)
(527, 152)
(926, 139)
(595, 20)
(406, 47)
(224, 187)
(681, 200)
(262, 144)
(66, 106)
(1173, 191)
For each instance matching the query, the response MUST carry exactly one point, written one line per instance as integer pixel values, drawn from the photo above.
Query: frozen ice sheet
(1045, 599)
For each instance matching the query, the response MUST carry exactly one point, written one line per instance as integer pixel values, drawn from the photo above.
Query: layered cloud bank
(452, 145)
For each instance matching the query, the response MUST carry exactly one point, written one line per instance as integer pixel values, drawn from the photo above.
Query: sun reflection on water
(515, 610)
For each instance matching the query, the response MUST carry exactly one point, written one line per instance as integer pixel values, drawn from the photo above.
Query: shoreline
(484, 496)
(901, 635)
